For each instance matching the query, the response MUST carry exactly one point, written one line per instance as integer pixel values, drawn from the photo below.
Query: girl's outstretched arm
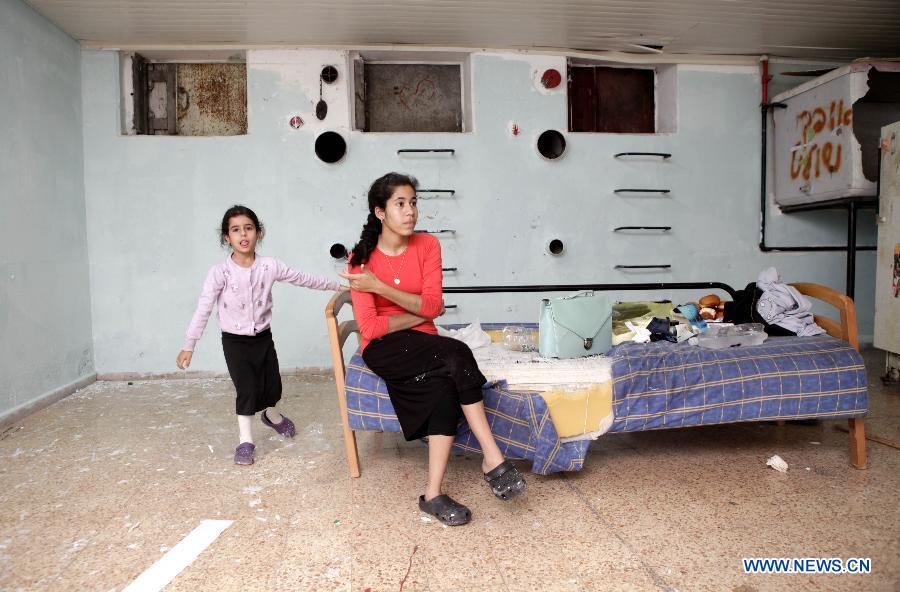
(183, 361)
(283, 273)
(212, 287)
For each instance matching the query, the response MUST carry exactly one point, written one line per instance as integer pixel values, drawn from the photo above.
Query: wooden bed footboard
(844, 328)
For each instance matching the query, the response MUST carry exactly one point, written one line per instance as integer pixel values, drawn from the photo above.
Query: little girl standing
(242, 285)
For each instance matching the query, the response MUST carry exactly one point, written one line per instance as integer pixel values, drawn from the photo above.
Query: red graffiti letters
(813, 153)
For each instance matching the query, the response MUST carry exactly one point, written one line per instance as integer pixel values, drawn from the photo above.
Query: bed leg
(858, 443)
(349, 435)
(352, 451)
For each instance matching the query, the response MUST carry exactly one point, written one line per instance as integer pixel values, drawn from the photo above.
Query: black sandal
(445, 509)
(505, 480)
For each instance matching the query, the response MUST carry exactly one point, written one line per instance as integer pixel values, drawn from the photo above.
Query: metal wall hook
(416, 150)
(637, 190)
(442, 192)
(442, 231)
(663, 155)
(659, 228)
(643, 267)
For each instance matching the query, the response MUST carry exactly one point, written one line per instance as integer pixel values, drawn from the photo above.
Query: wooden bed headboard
(337, 337)
(846, 328)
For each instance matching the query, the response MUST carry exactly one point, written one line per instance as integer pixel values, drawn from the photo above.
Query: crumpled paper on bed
(641, 334)
(472, 335)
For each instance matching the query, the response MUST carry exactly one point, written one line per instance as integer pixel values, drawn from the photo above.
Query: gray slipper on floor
(446, 509)
(505, 480)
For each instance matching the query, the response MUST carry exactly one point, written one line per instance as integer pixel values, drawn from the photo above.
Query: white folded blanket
(528, 368)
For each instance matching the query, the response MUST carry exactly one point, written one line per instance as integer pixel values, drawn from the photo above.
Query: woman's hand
(363, 282)
(184, 360)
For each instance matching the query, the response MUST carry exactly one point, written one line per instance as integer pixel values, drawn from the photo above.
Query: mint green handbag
(576, 325)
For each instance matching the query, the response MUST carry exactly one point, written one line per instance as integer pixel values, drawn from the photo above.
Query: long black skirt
(428, 377)
(253, 365)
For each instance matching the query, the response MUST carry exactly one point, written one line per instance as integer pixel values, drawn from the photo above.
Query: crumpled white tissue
(471, 335)
(641, 334)
(777, 463)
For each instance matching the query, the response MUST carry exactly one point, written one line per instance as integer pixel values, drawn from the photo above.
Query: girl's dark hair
(239, 210)
(380, 191)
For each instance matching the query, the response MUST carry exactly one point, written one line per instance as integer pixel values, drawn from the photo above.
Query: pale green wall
(45, 309)
(153, 202)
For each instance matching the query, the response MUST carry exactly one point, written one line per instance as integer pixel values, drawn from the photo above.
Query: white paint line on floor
(178, 557)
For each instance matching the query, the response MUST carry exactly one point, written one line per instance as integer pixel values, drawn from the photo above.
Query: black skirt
(428, 377)
(253, 366)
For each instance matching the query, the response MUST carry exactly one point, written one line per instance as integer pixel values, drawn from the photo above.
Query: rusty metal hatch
(212, 99)
(411, 98)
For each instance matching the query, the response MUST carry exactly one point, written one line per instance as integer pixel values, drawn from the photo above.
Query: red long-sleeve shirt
(419, 271)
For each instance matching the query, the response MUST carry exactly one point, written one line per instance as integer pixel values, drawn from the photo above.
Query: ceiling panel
(821, 29)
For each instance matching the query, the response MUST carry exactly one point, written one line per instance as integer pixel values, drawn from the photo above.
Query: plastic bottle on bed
(519, 339)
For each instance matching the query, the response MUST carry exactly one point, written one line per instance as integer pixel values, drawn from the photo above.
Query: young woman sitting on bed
(396, 286)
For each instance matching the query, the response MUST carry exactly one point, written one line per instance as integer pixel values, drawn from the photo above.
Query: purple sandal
(285, 427)
(243, 455)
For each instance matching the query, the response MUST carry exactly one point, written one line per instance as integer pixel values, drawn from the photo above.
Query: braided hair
(379, 193)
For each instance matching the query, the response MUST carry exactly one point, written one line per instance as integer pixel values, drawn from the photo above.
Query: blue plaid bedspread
(655, 386)
(662, 385)
(520, 421)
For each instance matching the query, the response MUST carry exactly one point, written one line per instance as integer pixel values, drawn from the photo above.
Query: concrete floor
(96, 488)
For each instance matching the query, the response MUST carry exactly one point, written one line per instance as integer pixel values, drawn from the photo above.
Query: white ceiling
(819, 29)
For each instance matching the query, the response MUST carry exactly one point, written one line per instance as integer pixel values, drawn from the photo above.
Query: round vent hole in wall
(338, 251)
(330, 147)
(329, 74)
(551, 144)
(556, 247)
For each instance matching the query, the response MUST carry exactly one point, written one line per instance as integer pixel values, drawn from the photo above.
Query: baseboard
(16, 414)
(185, 375)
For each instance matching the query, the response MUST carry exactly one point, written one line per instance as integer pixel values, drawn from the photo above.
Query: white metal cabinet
(825, 137)
(887, 271)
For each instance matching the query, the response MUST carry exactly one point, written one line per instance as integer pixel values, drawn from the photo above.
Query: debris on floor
(777, 463)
